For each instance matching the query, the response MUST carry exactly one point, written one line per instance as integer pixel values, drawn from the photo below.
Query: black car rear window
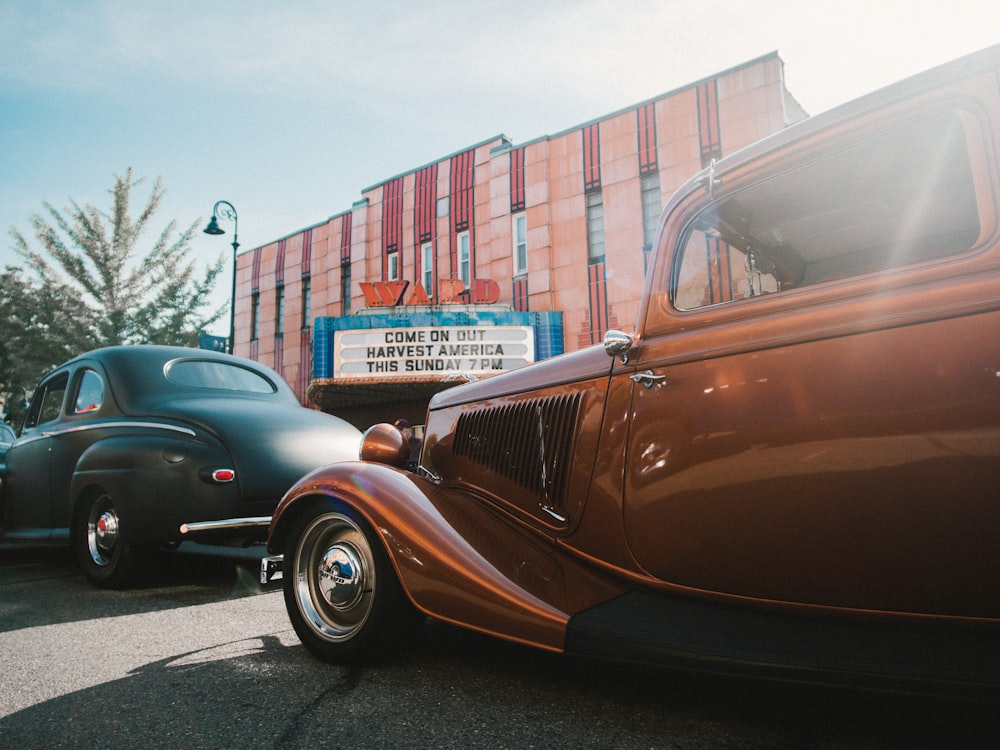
(218, 375)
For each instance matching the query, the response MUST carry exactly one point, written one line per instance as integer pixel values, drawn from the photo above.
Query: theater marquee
(380, 353)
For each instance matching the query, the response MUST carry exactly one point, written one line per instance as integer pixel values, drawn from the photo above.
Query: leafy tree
(41, 325)
(90, 261)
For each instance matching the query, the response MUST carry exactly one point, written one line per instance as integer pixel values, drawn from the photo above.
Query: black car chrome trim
(225, 523)
(114, 425)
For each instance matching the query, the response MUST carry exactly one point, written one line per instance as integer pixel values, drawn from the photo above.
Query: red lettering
(372, 298)
(487, 292)
(383, 293)
(419, 296)
(450, 291)
(393, 292)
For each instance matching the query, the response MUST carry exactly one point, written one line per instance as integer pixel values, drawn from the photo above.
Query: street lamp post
(225, 210)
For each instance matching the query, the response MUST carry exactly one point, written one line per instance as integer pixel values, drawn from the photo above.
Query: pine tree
(119, 295)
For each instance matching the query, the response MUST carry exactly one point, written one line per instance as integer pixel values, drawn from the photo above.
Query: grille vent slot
(527, 442)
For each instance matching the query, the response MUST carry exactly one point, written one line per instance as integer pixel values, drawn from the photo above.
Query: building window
(595, 227)
(650, 186)
(279, 310)
(306, 301)
(520, 235)
(650, 208)
(392, 266)
(464, 260)
(427, 266)
(255, 316)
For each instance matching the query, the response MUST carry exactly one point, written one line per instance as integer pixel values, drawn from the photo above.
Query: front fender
(457, 560)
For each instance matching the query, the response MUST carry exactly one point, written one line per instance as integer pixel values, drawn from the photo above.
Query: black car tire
(107, 560)
(341, 591)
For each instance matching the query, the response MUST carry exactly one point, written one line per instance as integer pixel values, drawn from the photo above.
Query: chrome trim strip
(225, 523)
(116, 425)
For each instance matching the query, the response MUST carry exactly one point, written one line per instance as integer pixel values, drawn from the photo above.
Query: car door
(81, 426)
(29, 460)
(815, 404)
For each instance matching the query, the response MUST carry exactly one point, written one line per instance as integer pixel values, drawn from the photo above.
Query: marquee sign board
(380, 353)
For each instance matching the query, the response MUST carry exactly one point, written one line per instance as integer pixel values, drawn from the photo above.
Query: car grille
(528, 442)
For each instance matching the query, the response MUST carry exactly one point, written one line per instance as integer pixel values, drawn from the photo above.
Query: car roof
(130, 368)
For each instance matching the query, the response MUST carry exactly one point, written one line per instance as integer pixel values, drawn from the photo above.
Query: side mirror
(617, 344)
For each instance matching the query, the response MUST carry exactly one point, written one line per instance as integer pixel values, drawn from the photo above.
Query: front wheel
(341, 591)
(106, 558)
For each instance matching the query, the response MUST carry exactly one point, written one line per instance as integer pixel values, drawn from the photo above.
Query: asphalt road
(204, 657)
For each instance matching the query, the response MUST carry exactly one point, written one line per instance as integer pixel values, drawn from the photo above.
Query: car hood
(272, 445)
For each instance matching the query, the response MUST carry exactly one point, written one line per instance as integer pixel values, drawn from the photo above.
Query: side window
(903, 197)
(46, 404)
(713, 271)
(90, 393)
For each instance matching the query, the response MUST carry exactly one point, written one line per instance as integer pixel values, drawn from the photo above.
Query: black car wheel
(341, 591)
(106, 559)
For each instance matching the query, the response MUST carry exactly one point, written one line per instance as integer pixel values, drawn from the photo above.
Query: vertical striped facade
(472, 198)
(392, 221)
(709, 127)
(301, 385)
(645, 128)
(517, 199)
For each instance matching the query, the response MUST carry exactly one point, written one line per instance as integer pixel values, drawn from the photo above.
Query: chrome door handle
(648, 379)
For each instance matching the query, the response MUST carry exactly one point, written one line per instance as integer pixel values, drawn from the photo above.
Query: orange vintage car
(790, 468)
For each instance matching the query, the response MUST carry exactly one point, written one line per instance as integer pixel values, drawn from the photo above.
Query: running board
(702, 636)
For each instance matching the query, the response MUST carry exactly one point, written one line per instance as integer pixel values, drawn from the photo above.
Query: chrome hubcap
(334, 577)
(340, 577)
(106, 531)
(102, 532)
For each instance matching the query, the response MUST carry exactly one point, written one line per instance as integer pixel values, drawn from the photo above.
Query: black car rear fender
(156, 484)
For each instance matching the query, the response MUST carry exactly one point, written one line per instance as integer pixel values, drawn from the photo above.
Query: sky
(288, 110)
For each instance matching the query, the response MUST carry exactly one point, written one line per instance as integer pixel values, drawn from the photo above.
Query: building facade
(544, 242)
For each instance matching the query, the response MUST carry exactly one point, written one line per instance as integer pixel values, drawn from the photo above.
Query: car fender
(457, 560)
(155, 484)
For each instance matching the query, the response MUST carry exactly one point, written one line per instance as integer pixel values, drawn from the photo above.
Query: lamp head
(213, 227)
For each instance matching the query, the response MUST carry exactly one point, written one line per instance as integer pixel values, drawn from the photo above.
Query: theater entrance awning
(363, 401)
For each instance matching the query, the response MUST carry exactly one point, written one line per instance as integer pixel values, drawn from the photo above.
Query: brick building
(520, 250)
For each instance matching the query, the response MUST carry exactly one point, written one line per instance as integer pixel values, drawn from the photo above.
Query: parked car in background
(790, 468)
(123, 445)
(7, 436)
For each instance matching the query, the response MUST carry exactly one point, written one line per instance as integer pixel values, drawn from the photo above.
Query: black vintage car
(123, 445)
